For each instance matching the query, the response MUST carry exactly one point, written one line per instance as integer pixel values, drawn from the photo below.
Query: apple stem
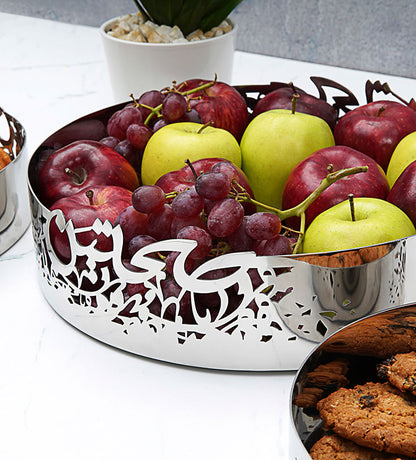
(352, 208)
(380, 111)
(77, 178)
(90, 196)
(295, 98)
(205, 125)
(189, 163)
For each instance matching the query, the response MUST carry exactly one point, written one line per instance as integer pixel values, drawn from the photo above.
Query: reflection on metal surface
(364, 344)
(14, 203)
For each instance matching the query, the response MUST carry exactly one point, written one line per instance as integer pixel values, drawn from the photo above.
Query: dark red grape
(170, 262)
(201, 236)
(132, 223)
(191, 115)
(187, 204)
(148, 199)
(152, 99)
(263, 225)
(210, 300)
(173, 107)
(129, 152)
(160, 222)
(171, 289)
(213, 185)
(239, 240)
(279, 245)
(160, 123)
(180, 222)
(225, 217)
(122, 119)
(208, 205)
(133, 289)
(237, 175)
(138, 242)
(138, 134)
(110, 141)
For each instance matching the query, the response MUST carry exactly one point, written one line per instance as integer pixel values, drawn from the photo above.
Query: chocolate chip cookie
(373, 415)
(333, 447)
(400, 371)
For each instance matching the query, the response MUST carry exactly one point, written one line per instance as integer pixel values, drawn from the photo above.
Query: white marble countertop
(64, 395)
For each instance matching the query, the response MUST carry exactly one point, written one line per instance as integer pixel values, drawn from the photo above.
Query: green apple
(273, 143)
(403, 155)
(170, 146)
(376, 221)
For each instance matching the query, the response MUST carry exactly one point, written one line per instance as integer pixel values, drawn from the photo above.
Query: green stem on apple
(295, 98)
(352, 208)
(90, 196)
(205, 125)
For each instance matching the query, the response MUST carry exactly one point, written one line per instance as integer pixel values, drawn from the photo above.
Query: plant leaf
(188, 15)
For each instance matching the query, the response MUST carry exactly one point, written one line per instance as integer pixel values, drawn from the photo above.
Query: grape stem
(299, 209)
(155, 111)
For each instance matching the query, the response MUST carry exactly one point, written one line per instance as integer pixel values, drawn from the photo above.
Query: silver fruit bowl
(298, 302)
(14, 203)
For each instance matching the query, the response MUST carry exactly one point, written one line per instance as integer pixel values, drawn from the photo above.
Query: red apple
(220, 103)
(80, 165)
(376, 128)
(309, 173)
(104, 202)
(403, 192)
(281, 98)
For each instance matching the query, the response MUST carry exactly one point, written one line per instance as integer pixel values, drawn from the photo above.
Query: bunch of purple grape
(130, 128)
(217, 214)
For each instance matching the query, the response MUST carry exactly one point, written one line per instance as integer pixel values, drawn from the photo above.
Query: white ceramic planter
(137, 67)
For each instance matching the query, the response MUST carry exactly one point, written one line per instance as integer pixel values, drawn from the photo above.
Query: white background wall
(374, 35)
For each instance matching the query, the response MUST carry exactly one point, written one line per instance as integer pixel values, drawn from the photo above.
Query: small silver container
(363, 343)
(14, 202)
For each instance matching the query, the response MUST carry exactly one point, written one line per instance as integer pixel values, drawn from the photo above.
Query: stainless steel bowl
(363, 343)
(14, 200)
(302, 300)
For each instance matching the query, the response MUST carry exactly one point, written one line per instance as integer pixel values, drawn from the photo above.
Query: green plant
(188, 15)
